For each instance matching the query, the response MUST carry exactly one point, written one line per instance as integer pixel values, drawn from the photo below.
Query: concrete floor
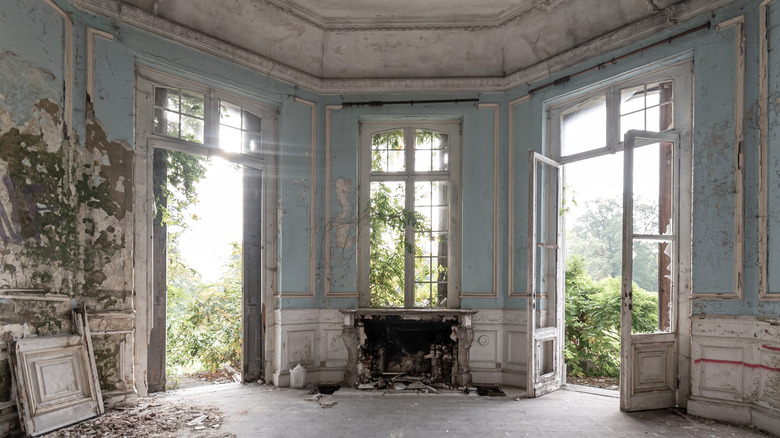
(266, 411)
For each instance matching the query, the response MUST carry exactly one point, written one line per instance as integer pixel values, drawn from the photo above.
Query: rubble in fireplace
(407, 355)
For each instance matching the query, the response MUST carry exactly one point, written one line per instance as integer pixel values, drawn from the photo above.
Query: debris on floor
(594, 381)
(217, 377)
(327, 401)
(152, 418)
(402, 382)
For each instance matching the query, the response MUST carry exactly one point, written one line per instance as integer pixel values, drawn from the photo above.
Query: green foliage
(179, 192)
(204, 321)
(593, 320)
(389, 247)
(597, 237)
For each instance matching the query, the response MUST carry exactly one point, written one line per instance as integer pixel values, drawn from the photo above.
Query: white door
(545, 276)
(648, 360)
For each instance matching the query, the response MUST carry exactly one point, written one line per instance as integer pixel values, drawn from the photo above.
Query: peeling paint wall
(65, 202)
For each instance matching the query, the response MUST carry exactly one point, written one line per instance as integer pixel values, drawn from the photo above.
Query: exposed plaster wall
(65, 204)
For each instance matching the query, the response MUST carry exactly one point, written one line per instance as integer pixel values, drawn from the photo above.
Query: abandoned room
(408, 202)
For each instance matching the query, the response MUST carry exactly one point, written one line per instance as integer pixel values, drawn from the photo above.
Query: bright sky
(206, 244)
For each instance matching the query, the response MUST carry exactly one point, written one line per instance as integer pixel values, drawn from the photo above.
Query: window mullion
(211, 120)
(613, 118)
(409, 206)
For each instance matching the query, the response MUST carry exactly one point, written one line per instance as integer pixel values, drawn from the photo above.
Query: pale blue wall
(713, 55)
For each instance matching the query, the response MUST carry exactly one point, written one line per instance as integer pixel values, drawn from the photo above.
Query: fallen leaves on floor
(594, 381)
(154, 416)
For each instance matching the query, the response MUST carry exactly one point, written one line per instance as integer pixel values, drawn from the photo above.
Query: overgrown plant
(205, 328)
(593, 320)
(387, 257)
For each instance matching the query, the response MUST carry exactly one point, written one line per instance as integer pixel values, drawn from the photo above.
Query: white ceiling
(422, 39)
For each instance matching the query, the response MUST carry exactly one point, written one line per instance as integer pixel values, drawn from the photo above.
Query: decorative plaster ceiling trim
(622, 37)
(405, 23)
(614, 40)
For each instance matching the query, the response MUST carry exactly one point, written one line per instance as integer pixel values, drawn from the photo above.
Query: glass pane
(387, 151)
(645, 296)
(387, 243)
(171, 124)
(546, 286)
(252, 143)
(251, 122)
(646, 107)
(423, 160)
(160, 125)
(166, 98)
(229, 114)
(430, 204)
(584, 127)
(632, 99)
(632, 121)
(192, 129)
(431, 152)
(647, 189)
(229, 138)
(192, 103)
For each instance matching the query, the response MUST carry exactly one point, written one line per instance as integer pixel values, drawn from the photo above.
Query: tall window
(408, 179)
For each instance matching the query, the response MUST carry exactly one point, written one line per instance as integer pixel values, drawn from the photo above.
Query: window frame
(681, 76)
(453, 176)
(211, 121)
(557, 107)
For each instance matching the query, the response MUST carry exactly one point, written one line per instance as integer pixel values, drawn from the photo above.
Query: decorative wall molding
(511, 202)
(617, 39)
(739, 164)
(67, 66)
(763, 144)
(92, 35)
(735, 375)
(312, 203)
(496, 107)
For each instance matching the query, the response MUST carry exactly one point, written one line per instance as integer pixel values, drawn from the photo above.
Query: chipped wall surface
(65, 202)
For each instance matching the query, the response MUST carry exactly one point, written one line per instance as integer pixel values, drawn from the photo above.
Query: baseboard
(736, 412)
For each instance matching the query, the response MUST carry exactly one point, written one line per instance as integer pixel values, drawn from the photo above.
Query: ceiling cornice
(401, 23)
(627, 35)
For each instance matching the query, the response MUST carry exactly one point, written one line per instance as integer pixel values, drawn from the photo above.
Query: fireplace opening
(395, 347)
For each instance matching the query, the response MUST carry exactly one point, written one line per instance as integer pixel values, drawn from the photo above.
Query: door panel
(545, 277)
(648, 365)
(252, 330)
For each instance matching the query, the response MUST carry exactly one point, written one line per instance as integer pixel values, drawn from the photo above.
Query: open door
(648, 355)
(545, 276)
(252, 324)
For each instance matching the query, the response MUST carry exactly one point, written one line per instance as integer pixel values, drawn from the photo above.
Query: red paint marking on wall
(738, 362)
(769, 347)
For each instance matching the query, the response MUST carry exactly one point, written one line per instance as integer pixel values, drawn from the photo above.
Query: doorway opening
(201, 216)
(594, 231)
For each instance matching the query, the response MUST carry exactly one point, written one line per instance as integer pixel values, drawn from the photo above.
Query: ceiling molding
(402, 23)
(625, 36)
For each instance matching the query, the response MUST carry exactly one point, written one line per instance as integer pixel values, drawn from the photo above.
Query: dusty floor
(232, 410)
